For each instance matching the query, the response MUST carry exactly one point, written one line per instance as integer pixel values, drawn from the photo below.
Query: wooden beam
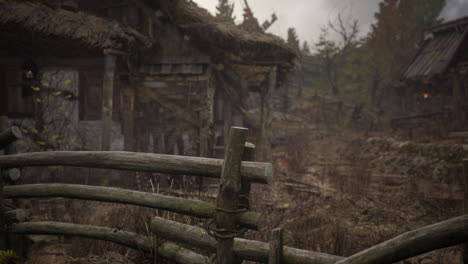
(107, 94)
(228, 195)
(128, 239)
(259, 172)
(448, 233)
(250, 250)
(117, 195)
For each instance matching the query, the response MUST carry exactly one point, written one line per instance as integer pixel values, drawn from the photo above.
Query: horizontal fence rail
(448, 233)
(259, 172)
(117, 195)
(244, 249)
(136, 241)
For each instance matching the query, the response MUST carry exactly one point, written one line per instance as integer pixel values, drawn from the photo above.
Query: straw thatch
(230, 41)
(90, 31)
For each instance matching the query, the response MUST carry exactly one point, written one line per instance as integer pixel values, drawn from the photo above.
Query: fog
(454, 9)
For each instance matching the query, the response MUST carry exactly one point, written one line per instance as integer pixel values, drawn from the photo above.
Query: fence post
(465, 206)
(276, 246)
(228, 196)
(244, 197)
(7, 136)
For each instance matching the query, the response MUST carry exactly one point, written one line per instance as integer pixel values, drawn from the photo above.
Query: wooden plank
(250, 250)
(128, 239)
(107, 94)
(276, 246)
(228, 195)
(259, 172)
(117, 195)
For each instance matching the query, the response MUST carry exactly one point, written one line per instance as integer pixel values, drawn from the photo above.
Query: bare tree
(333, 52)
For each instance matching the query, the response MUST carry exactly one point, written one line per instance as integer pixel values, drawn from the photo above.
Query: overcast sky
(307, 16)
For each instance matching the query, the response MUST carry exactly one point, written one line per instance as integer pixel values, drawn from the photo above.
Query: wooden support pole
(266, 115)
(207, 118)
(259, 172)
(9, 136)
(250, 250)
(107, 95)
(117, 195)
(465, 207)
(276, 247)
(128, 239)
(228, 196)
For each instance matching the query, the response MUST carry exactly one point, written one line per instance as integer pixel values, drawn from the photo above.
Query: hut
(171, 76)
(434, 86)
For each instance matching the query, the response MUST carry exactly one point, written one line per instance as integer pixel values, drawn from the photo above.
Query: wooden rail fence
(227, 220)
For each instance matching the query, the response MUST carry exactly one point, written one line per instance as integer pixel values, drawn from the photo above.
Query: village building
(171, 76)
(434, 87)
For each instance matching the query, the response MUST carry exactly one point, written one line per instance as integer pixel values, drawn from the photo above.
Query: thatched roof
(90, 31)
(229, 40)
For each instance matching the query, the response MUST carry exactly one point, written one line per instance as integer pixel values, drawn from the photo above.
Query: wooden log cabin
(435, 85)
(171, 76)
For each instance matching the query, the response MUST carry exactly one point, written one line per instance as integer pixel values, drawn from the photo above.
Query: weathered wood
(266, 115)
(117, 195)
(276, 246)
(258, 172)
(12, 175)
(465, 207)
(181, 255)
(228, 195)
(244, 195)
(9, 136)
(207, 118)
(410, 244)
(244, 249)
(107, 94)
(128, 239)
(15, 216)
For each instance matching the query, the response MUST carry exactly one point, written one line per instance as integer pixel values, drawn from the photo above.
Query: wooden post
(276, 246)
(228, 196)
(249, 155)
(107, 94)
(244, 195)
(265, 117)
(465, 206)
